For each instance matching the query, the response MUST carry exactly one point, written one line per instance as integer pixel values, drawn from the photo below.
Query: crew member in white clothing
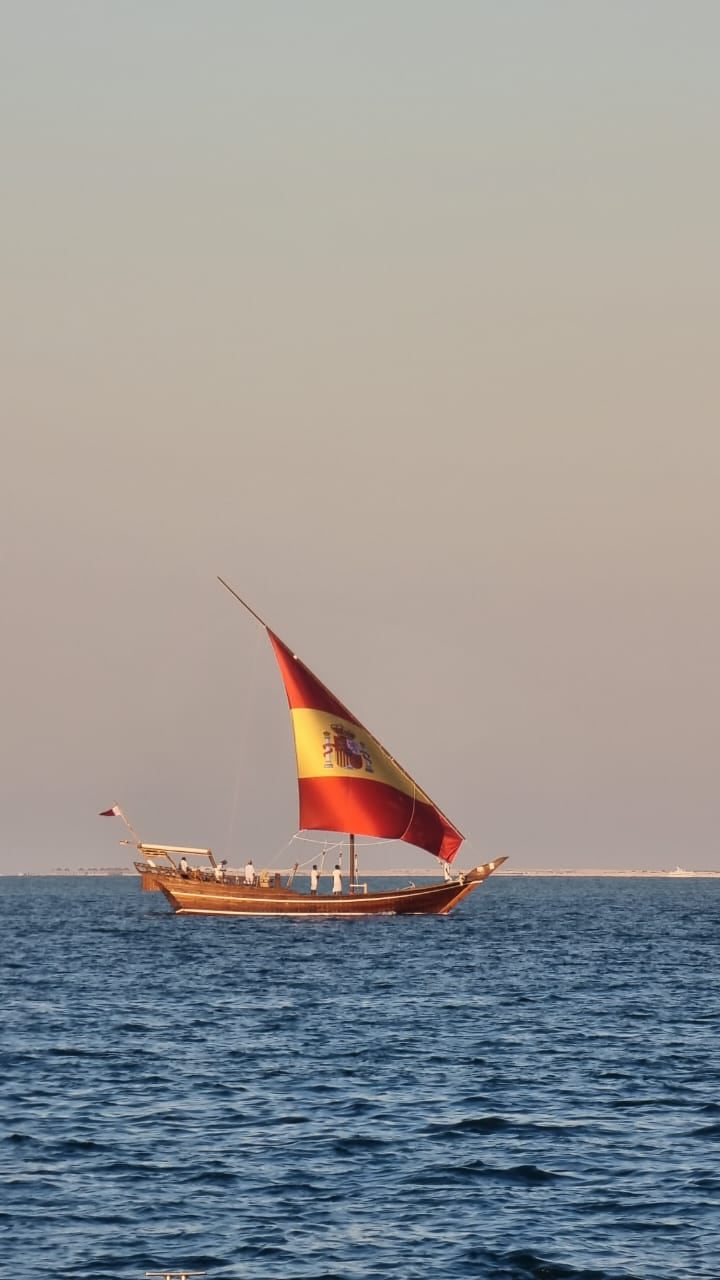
(337, 878)
(249, 873)
(314, 880)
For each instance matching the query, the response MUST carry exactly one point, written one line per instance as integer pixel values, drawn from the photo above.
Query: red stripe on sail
(303, 688)
(375, 809)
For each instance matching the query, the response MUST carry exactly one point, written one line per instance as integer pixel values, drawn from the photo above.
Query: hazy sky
(403, 317)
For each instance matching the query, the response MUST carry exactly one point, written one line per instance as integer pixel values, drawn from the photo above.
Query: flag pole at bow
(116, 812)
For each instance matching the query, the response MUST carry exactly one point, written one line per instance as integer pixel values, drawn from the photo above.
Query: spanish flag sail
(347, 781)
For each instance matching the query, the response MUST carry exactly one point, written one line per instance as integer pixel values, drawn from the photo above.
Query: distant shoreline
(638, 874)
(96, 873)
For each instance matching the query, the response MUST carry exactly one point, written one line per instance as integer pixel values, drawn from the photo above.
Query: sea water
(529, 1087)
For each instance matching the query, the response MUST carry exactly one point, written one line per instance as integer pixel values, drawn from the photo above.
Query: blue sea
(527, 1088)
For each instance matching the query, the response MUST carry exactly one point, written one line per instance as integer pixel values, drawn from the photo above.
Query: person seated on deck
(314, 880)
(249, 873)
(337, 879)
(183, 867)
(219, 870)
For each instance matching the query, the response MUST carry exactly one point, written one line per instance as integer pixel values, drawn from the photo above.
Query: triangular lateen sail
(347, 781)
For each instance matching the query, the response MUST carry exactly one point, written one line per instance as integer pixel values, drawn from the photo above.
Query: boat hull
(200, 897)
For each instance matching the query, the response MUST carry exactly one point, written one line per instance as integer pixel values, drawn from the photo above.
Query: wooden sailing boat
(348, 783)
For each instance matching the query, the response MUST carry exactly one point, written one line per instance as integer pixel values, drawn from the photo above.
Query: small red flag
(111, 813)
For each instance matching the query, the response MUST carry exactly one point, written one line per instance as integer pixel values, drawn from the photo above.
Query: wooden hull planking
(191, 896)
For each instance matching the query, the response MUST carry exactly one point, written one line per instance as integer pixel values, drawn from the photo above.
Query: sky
(403, 318)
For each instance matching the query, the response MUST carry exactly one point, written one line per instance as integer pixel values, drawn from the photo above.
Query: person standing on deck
(183, 866)
(249, 873)
(314, 880)
(337, 879)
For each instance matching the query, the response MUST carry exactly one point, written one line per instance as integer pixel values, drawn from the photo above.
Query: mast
(353, 864)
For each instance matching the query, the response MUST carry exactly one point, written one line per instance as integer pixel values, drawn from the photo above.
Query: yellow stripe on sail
(329, 747)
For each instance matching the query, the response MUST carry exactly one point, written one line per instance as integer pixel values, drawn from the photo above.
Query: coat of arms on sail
(342, 749)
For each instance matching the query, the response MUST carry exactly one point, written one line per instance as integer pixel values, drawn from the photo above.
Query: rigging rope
(251, 717)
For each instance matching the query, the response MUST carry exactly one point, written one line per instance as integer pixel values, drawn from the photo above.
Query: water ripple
(525, 1090)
